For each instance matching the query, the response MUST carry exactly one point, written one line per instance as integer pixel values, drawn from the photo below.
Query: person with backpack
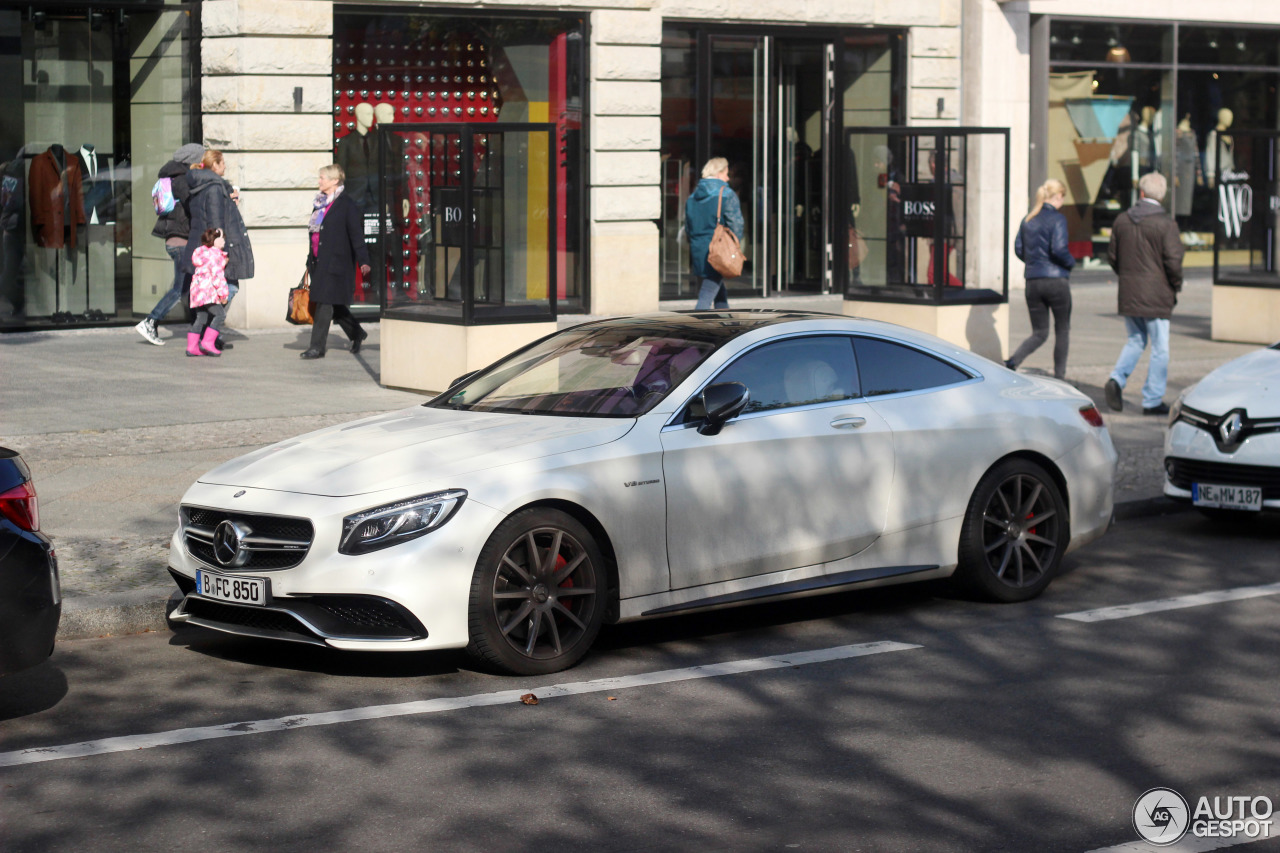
(170, 197)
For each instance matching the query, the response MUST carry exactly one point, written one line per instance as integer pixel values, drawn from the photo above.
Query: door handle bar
(851, 422)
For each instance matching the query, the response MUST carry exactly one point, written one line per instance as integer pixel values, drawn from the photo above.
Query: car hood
(400, 449)
(1251, 382)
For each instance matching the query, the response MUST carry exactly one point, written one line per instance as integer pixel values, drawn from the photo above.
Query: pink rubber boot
(209, 343)
(193, 344)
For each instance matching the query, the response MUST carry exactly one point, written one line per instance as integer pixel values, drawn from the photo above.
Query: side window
(888, 368)
(796, 372)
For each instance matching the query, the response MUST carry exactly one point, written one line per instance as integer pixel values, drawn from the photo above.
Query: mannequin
(357, 156)
(386, 114)
(1186, 173)
(56, 198)
(1228, 164)
(95, 175)
(1146, 141)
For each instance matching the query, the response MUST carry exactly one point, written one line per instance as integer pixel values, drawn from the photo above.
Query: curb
(114, 615)
(140, 611)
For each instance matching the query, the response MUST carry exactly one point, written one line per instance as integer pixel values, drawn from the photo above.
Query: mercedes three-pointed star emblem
(228, 544)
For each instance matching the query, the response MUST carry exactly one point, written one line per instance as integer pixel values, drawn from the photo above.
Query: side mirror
(463, 378)
(722, 402)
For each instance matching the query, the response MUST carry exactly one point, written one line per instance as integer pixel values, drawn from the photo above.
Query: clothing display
(56, 197)
(1187, 168)
(452, 80)
(98, 188)
(1211, 162)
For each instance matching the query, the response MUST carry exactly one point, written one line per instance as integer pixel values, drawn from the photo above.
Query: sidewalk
(115, 429)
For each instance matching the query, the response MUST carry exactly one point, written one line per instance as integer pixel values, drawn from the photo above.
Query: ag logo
(1160, 816)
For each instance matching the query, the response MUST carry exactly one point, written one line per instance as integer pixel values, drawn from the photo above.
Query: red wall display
(449, 79)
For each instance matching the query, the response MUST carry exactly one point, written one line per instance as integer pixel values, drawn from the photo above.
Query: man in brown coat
(1146, 252)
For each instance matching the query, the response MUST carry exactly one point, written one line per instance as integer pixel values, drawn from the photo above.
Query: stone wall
(254, 55)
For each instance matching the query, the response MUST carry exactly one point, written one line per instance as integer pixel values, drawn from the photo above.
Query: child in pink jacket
(209, 294)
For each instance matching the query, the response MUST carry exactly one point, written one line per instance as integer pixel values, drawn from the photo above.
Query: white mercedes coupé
(642, 466)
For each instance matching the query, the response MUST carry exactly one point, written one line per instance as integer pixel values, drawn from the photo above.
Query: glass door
(803, 173)
(774, 107)
(740, 88)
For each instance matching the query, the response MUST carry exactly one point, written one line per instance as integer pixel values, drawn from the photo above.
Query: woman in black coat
(337, 245)
(214, 203)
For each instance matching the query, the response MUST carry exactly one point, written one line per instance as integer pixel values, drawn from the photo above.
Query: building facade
(581, 128)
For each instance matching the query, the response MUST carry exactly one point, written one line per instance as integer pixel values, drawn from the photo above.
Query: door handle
(851, 422)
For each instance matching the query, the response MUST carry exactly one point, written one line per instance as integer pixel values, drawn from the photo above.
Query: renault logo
(228, 544)
(1231, 428)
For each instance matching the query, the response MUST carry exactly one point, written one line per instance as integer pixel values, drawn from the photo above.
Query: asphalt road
(982, 727)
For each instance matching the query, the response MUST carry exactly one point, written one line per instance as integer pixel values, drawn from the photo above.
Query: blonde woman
(1042, 246)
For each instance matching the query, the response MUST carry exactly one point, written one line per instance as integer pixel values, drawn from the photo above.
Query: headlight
(1175, 411)
(391, 524)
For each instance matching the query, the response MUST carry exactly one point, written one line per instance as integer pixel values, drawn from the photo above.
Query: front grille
(366, 615)
(1184, 472)
(253, 618)
(274, 542)
(312, 617)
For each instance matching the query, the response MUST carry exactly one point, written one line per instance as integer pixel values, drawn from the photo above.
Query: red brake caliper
(567, 582)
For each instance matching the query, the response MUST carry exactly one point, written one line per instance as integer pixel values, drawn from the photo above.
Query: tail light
(19, 506)
(1091, 415)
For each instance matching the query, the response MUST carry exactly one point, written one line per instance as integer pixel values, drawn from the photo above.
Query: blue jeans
(712, 291)
(1140, 331)
(174, 295)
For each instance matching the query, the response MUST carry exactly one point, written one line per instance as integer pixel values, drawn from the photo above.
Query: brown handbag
(725, 255)
(301, 307)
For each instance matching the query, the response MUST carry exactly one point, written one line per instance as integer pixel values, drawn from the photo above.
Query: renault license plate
(1227, 497)
(237, 590)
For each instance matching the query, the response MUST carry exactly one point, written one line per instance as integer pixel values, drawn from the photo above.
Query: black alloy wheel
(1014, 534)
(537, 595)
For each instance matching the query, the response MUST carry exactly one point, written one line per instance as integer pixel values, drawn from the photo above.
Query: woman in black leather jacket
(1042, 246)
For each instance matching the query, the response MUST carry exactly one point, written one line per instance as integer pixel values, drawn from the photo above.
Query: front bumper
(1191, 456)
(410, 597)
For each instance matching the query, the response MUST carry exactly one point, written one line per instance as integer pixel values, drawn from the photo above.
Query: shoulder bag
(725, 255)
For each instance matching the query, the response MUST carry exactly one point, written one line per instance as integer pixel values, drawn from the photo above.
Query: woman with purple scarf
(337, 245)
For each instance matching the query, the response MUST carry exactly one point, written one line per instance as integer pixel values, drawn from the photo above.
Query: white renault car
(1222, 452)
(636, 467)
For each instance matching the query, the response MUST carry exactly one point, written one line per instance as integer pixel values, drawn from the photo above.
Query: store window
(1127, 99)
(95, 101)
(498, 97)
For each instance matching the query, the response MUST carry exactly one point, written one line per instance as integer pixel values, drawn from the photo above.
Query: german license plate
(237, 590)
(1226, 497)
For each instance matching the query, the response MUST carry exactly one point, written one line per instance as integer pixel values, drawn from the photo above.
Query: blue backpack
(162, 198)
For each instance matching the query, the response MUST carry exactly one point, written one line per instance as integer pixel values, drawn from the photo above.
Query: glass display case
(478, 243)
(501, 93)
(931, 224)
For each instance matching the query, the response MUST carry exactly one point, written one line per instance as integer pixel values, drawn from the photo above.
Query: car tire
(537, 597)
(1015, 532)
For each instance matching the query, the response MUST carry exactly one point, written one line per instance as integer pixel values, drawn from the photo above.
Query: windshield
(596, 371)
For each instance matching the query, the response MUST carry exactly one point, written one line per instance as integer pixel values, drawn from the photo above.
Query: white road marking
(435, 706)
(1188, 844)
(1124, 611)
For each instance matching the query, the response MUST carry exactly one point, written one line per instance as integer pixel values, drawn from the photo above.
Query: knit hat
(191, 153)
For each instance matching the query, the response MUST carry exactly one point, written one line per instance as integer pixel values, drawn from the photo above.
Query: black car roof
(716, 326)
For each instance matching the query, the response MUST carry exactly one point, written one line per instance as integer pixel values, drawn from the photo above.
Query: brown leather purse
(724, 255)
(301, 310)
